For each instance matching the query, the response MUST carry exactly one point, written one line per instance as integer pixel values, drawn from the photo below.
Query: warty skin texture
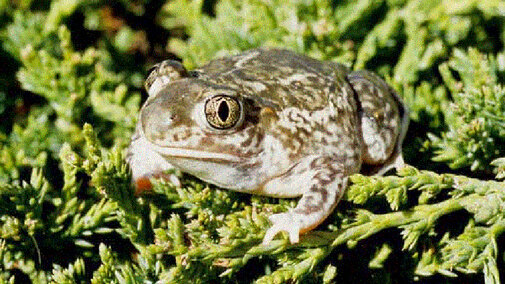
(269, 122)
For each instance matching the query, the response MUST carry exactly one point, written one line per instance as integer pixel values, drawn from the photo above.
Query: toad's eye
(222, 112)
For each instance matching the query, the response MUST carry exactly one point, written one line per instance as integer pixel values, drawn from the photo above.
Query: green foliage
(70, 95)
(84, 80)
(475, 249)
(409, 36)
(302, 26)
(476, 117)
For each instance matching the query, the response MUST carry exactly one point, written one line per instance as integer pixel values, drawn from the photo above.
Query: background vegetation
(70, 92)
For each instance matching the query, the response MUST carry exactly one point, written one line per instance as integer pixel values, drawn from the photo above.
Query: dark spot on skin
(207, 141)
(309, 199)
(251, 135)
(252, 165)
(333, 88)
(299, 117)
(296, 85)
(301, 133)
(316, 163)
(324, 196)
(324, 180)
(242, 75)
(194, 74)
(308, 209)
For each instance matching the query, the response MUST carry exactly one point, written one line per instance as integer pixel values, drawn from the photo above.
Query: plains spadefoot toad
(269, 122)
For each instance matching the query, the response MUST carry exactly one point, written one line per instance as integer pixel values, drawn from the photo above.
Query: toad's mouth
(193, 154)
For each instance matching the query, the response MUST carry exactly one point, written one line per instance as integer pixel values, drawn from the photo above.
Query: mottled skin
(269, 122)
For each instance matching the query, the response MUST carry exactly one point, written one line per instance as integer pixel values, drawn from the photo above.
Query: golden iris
(222, 112)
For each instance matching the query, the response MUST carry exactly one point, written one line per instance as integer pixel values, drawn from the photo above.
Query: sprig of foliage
(476, 117)
(499, 165)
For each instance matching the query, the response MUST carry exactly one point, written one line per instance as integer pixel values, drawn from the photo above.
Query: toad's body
(269, 122)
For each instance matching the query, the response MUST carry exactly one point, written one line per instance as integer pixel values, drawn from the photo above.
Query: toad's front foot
(288, 222)
(326, 189)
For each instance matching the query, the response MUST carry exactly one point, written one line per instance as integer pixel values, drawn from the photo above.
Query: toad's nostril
(157, 122)
(165, 120)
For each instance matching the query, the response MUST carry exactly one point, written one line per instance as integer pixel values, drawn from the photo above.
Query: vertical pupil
(223, 111)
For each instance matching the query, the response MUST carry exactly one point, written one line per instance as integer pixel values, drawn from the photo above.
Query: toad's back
(280, 77)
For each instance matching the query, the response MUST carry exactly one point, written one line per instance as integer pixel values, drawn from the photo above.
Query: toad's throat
(192, 154)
